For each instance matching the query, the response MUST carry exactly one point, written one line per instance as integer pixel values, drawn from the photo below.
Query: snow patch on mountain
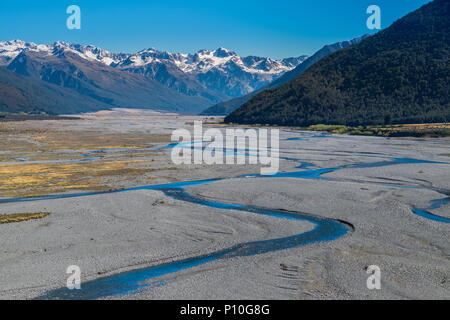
(205, 60)
(220, 70)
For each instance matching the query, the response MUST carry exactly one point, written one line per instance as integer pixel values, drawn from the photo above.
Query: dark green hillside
(227, 107)
(400, 75)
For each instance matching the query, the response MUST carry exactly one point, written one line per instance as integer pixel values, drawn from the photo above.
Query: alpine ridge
(186, 83)
(226, 107)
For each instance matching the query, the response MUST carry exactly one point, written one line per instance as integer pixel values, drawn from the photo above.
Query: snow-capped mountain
(9, 50)
(226, 107)
(85, 71)
(212, 74)
(220, 70)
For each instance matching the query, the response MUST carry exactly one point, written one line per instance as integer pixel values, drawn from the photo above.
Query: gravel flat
(108, 234)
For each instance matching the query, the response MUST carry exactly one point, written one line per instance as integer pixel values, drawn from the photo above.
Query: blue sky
(275, 28)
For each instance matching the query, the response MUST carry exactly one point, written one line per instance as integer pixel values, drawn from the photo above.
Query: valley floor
(388, 200)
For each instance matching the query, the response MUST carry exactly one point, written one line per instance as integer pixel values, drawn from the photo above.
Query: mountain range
(184, 83)
(226, 107)
(19, 94)
(399, 75)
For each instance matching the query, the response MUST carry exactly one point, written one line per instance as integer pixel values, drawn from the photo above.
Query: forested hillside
(400, 75)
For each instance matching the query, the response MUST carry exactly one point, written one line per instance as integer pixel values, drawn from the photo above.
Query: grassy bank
(432, 130)
(429, 130)
(20, 217)
(36, 160)
(25, 117)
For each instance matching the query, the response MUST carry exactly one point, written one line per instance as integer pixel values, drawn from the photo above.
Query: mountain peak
(150, 50)
(223, 53)
(238, 75)
(16, 42)
(61, 44)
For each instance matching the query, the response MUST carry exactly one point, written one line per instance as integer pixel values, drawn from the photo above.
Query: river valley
(140, 227)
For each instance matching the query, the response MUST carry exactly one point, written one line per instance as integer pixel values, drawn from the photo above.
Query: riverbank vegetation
(37, 161)
(20, 217)
(431, 130)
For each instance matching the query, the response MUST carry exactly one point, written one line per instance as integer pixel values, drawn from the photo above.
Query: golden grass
(20, 217)
(20, 179)
(114, 171)
(20, 137)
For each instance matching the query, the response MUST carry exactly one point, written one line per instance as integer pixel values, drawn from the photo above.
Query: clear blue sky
(274, 28)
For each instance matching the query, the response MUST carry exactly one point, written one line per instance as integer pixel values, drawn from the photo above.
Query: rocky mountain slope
(19, 94)
(186, 83)
(226, 107)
